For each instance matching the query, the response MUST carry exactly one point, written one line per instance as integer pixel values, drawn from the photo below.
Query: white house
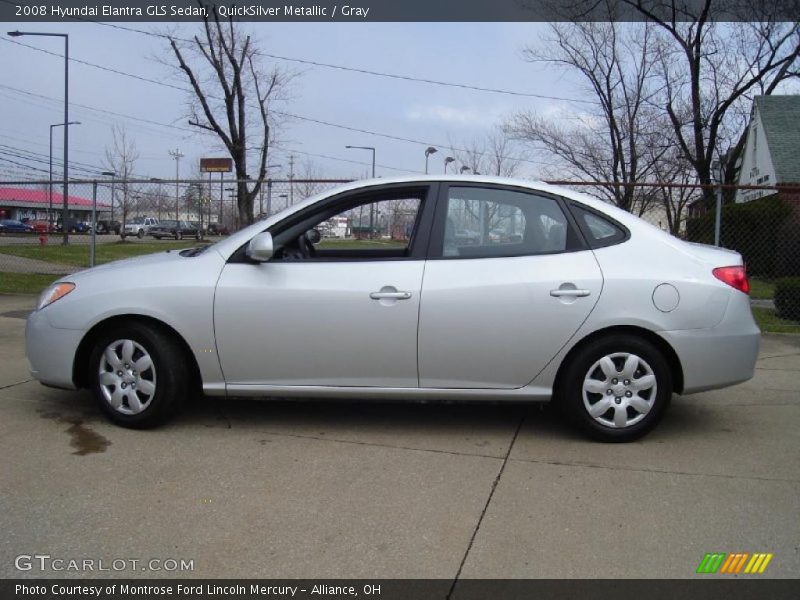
(771, 153)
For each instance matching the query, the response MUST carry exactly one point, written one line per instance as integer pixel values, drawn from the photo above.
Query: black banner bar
(360, 11)
(705, 587)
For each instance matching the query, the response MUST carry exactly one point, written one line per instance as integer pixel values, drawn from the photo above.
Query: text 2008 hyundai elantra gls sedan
(414, 289)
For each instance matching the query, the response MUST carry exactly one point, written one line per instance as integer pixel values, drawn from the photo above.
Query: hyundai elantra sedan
(553, 295)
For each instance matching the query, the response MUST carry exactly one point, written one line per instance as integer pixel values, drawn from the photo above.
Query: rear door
(508, 282)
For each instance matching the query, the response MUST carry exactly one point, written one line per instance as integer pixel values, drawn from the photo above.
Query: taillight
(735, 277)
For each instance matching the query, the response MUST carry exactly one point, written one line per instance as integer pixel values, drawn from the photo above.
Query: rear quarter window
(598, 229)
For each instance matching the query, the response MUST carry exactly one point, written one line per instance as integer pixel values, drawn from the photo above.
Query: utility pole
(291, 179)
(177, 155)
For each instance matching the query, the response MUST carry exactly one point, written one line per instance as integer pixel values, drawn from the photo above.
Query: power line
(23, 155)
(290, 115)
(384, 74)
(186, 90)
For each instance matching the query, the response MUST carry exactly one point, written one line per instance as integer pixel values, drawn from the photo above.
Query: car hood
(119, 266)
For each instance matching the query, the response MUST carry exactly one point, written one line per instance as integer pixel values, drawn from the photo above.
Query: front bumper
(50, 350)
(721, 356)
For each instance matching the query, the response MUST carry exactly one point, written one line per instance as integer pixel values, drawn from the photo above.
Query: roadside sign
(216, 165)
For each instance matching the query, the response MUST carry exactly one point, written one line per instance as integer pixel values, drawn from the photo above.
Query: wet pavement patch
(85, 440)
(82, 437)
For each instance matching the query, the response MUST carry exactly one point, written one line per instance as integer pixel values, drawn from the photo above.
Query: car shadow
(488, 424)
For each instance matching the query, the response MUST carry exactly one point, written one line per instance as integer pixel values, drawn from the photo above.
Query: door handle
(566, 292)
(390, 295)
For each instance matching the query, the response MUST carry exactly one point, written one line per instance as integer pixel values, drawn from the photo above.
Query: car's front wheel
(616, 388)
(139, 375)
(140, 233)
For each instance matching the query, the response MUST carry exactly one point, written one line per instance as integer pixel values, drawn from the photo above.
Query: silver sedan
(422, 288)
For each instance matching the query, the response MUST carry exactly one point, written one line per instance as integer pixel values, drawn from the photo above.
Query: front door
(341, 312)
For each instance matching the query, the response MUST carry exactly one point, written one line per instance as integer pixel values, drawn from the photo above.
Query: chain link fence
(104, 217)
(761, 223)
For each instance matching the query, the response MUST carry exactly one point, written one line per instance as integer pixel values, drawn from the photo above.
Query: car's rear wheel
(616, 388)
(178, 235)
(139, 375)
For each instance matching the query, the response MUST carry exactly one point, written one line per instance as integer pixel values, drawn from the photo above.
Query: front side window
(487, 222)
(376, 226)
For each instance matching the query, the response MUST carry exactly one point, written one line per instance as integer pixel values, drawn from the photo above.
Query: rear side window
(599, 230)
(493, 222)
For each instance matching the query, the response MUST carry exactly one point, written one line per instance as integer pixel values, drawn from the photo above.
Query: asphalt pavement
(273, 488)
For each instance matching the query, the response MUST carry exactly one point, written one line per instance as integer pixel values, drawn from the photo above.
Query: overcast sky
(483, 54)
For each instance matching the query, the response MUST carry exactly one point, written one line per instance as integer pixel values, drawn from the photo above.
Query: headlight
(53, 293)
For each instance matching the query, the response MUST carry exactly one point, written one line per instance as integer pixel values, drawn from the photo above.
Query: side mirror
(260, 248)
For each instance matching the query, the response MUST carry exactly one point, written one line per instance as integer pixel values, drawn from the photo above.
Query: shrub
(787, 298)
(758, 231)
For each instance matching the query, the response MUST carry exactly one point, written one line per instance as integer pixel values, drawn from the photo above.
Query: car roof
(226, 247)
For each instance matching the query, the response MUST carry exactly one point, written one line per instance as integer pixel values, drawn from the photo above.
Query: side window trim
(575, 206)
(422, 228)
(436, 239)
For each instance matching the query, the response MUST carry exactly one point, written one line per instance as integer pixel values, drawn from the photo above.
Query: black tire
(197, 236)
(172, 377)
(122, 235)
(178, 235)
(570, 392)
(140, 233)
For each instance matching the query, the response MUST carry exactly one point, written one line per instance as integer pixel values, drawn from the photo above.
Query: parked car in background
(605, 314)
(199, 226)
(40, 226)
(74, 226)
(105, 226)
(217, 229)
(140, 227)
(174, 229)
(14, 226)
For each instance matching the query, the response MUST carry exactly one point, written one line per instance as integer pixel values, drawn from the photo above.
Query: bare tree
(674, 199)
(607, 142)
(224, 71)
(121, 159)
(710, 72)
(307, 180)
(491, 154)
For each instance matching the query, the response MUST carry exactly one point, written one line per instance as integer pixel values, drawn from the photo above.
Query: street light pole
(176, 154)
(113, 176)
(65, 213)
(717, 173)
(50, 185)
(269, 191)
(447, 161)
(372, 205)
(428, 151)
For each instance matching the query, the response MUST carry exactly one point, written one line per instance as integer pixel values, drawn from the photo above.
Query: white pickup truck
(140, 226)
